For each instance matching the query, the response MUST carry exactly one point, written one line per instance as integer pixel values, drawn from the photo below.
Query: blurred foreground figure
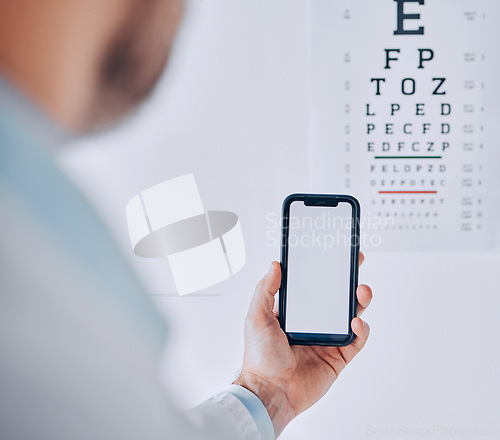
(79, 339)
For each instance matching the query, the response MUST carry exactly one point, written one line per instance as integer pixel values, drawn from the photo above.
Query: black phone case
(320, 200)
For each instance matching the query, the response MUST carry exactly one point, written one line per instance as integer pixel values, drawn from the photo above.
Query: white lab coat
(79, 339)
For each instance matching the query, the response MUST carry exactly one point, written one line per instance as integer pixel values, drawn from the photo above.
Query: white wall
(232, 109)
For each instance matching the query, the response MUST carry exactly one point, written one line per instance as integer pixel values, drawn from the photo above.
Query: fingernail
(271, 268)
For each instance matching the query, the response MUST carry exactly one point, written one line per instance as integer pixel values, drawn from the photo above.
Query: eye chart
(404, 115)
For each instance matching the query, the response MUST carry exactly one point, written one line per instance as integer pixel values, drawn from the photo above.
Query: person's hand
(290, 379)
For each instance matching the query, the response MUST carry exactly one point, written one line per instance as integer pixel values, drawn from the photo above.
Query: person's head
(86, 62)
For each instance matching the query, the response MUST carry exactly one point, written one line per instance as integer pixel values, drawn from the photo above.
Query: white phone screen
(319, 259)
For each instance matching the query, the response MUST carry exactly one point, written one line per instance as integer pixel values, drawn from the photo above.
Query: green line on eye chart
(408, 157)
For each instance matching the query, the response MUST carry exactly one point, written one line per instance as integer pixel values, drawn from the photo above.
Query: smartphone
(319, 263)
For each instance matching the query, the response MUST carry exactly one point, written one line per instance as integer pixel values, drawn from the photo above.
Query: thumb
(263, 299)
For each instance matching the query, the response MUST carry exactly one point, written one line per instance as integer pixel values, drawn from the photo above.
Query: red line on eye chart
(407, 192)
